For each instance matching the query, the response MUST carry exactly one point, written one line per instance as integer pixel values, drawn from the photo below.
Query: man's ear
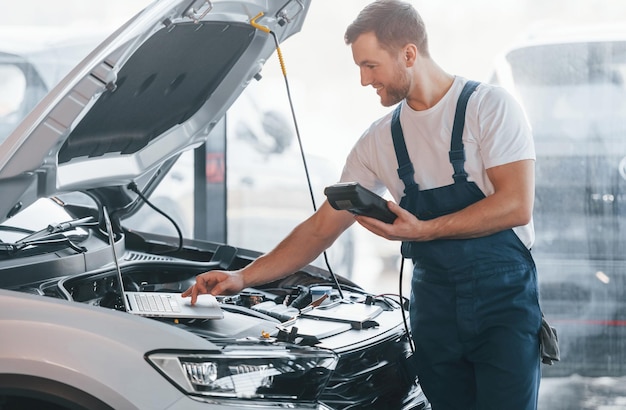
(410, 54)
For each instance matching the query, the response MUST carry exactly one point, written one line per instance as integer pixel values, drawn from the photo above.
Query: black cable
(406, 325)
(304, 162)
(9, 228)
(133, 187)
(398, 302)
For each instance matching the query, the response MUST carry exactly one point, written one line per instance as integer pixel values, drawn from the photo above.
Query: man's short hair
(394, 22)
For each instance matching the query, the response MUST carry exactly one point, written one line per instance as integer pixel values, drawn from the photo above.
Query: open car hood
(153, 89)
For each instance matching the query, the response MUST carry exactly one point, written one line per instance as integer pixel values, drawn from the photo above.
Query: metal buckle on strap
(406, 170)
(457, 159)
(456, 156)
(462, 176)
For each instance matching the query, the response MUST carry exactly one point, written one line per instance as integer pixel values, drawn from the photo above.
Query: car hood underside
(152, 90)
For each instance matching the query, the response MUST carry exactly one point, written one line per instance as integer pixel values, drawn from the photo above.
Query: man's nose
(365, 78)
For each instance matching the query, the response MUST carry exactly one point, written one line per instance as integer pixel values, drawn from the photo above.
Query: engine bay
(273, 312)
(309, 309)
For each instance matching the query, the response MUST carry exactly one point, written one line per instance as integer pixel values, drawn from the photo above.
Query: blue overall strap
(457, 152)
(405, 166)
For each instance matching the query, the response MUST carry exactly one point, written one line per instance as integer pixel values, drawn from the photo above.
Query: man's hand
(406, 227)
(216, 283)
(301, 247)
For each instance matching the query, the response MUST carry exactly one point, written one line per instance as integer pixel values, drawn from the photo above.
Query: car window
(13, 86)
(572, 90)
(20, 89)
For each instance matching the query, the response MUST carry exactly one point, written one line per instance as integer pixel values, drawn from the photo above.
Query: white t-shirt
(496, 133)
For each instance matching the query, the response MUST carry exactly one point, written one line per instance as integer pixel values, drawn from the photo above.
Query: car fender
(93, 350)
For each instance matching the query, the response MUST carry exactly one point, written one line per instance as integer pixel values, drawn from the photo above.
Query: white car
(83, 160)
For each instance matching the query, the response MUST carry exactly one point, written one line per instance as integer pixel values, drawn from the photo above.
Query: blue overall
(475, 315)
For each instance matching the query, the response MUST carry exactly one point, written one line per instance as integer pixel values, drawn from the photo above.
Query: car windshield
(573, 91)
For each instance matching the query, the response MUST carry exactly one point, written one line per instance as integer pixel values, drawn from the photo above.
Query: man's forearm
(483, 218)
(511, 205)
(305, 243)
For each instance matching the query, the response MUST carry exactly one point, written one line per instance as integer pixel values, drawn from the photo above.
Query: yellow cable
(280, 59)
(253, 23)
(257, 25)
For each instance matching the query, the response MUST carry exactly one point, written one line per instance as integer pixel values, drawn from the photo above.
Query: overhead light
(603, 277)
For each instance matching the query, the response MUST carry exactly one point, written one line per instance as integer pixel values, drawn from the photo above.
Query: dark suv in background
(572, 86)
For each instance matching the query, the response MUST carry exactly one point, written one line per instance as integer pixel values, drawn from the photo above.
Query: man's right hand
(215, 282)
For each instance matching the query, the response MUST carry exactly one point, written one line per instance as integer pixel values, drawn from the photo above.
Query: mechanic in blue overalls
(460, 162)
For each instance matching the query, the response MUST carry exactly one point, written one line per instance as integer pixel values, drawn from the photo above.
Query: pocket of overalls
(445, 200)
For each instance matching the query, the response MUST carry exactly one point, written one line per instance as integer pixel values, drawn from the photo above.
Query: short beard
(397, 93)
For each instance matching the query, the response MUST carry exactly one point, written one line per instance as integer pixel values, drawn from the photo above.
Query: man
(466, 195)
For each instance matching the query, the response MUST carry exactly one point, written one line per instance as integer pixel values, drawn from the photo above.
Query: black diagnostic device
(352, 197)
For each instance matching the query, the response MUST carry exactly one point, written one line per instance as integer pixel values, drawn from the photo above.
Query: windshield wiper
(51, 239)
(51, 235)
(51, 230)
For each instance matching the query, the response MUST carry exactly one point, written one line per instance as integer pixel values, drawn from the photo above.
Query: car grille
(374, 378)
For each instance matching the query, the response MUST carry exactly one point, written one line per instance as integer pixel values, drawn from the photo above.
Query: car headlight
(267, 372)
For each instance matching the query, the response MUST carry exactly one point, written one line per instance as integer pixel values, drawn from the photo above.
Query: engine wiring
(133, 187)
